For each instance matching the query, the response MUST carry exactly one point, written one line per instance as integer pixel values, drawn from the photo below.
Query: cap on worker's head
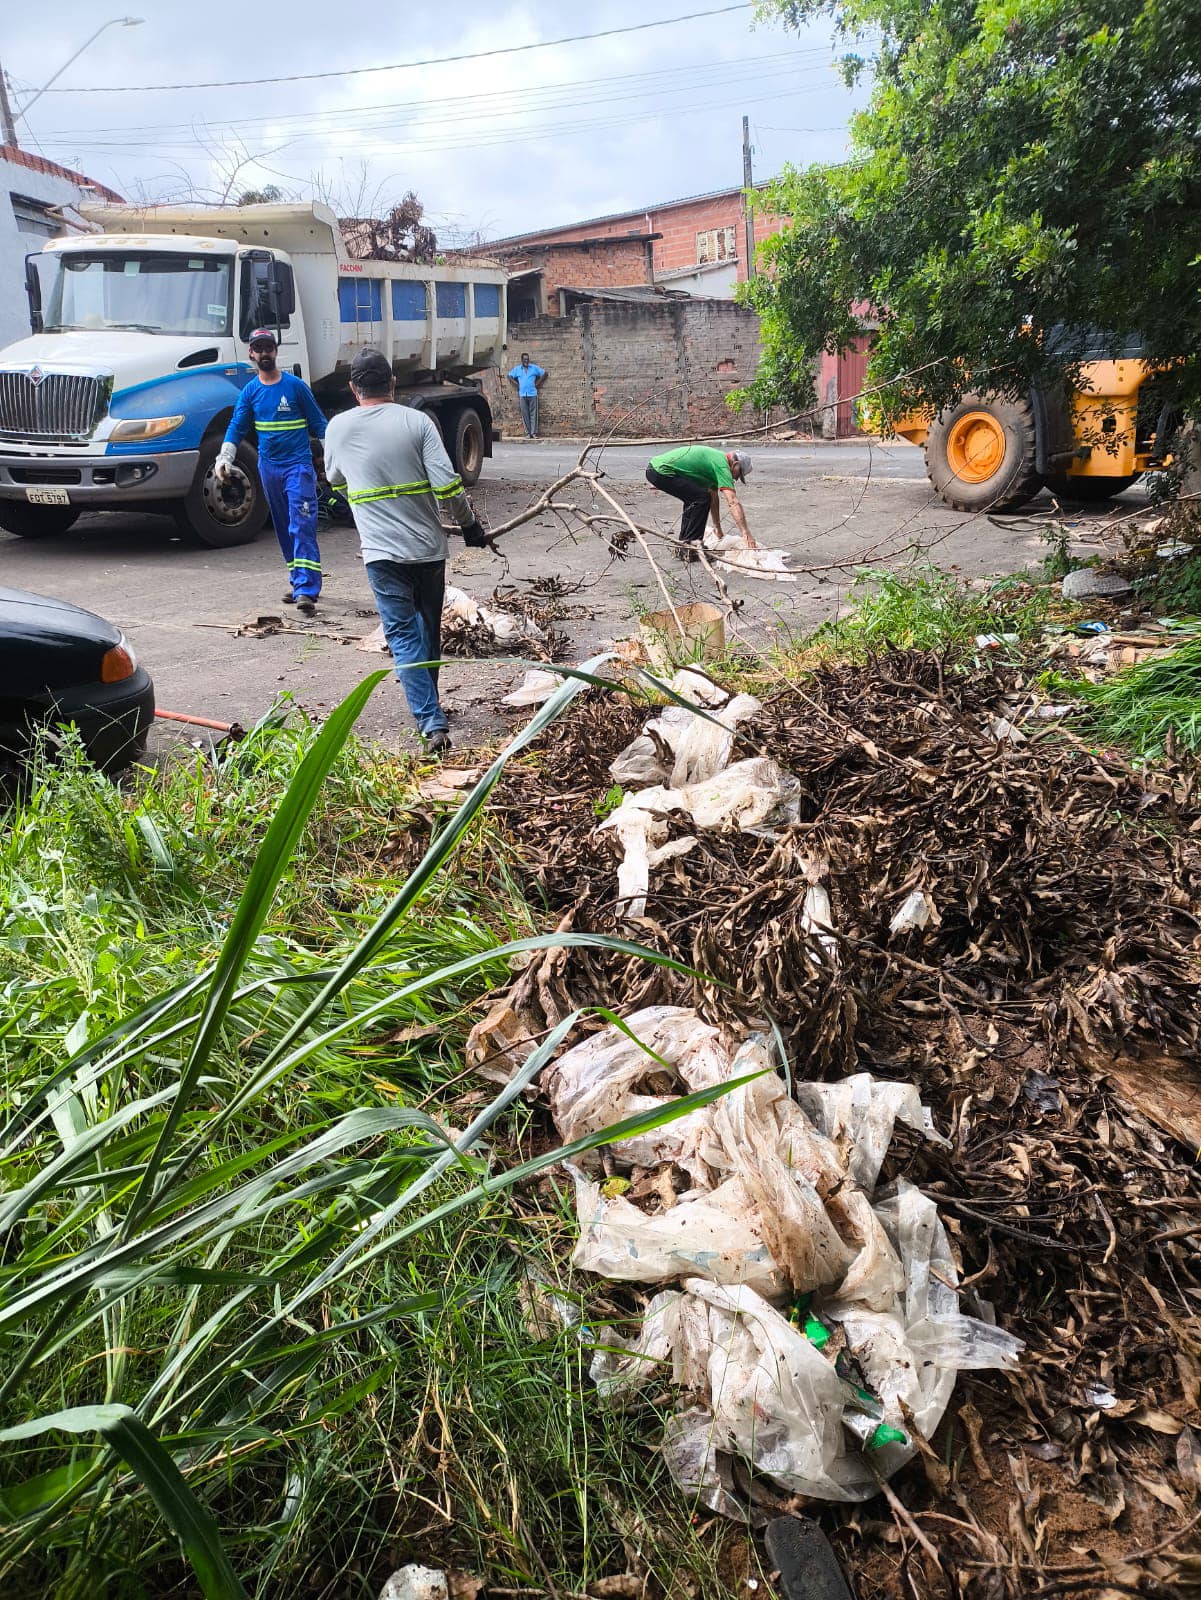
(744, 463)
(263, 336)
(370, 369)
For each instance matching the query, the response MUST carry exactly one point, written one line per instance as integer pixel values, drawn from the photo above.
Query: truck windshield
(147, 291)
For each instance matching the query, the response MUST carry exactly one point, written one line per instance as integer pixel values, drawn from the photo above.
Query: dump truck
(120, 397)
(1086, 440)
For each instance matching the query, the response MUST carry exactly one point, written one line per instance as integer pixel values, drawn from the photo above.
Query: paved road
(182, 605)
(527, 461)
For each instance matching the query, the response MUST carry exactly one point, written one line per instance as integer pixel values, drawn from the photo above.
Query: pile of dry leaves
(1047, 1013)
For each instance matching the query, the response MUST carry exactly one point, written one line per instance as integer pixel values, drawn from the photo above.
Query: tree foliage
(1022, 166)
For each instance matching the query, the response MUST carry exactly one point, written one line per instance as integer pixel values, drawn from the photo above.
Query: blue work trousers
(291, 492)
(409, 597)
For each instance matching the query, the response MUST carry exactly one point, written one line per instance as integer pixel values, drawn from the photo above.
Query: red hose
(194, 722)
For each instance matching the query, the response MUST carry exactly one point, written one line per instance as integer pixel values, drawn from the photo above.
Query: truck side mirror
(33, 290)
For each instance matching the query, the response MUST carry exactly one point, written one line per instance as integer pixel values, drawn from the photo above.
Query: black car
(60, 664)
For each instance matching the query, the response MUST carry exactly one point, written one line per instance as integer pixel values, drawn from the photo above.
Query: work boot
(437, 744)
(687, 551)
(306, 607)
(288, 599)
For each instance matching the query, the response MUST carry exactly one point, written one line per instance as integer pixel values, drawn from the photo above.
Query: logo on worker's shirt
(284, 406)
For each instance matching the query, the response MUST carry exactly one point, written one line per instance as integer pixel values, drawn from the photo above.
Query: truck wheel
(223, 515)
(981, 454)
(1089, 489)
(36, 522)
(467, 452)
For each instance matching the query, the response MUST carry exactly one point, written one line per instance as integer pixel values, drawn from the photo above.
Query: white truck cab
(121, 395)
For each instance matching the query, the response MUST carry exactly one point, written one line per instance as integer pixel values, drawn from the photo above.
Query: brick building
(698, 243)
(538, 271)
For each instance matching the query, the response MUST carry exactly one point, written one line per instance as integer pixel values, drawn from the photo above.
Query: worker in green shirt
(701, 477)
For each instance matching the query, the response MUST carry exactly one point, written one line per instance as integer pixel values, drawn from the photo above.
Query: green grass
(928, 609)
(1150, 708)
(262, 1328)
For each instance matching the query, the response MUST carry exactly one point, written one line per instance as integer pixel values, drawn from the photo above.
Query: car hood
(49, 644)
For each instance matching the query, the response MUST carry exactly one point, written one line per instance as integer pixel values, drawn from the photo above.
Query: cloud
(492, 146)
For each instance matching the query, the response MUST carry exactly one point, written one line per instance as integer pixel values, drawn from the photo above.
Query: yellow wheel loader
(1087, 441)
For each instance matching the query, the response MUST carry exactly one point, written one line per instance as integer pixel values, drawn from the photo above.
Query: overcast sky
(492, 146)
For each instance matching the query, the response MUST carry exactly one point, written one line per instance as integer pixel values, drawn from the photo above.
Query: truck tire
(467, 446)
(220, 519)
(1088, 490)
(982, 454)
(36, 522)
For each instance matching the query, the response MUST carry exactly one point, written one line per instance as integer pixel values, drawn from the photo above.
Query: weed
(1153, 708)
(259, 1314)
(931, 610)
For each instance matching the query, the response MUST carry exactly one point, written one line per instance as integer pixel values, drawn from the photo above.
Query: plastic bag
(534, 689)
(759, 563)
(679, 747)
(777, 1202)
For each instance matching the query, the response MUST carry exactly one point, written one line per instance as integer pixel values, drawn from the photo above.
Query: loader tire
(982, 454)
(1088, 490)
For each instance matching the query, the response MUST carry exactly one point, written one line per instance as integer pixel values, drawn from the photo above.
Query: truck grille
(62, 406)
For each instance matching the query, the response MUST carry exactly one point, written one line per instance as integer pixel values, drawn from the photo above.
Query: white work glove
(223, 467)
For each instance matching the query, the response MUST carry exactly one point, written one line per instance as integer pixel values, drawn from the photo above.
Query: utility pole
(7, 126)
(747, 181)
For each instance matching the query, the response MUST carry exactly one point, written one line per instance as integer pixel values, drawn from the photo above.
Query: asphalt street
(832, 506)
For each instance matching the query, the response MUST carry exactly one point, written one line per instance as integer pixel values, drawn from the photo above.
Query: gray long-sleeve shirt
(398, 477)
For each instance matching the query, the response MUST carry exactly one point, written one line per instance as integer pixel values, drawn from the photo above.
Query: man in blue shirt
(528, 379)
(284, 411)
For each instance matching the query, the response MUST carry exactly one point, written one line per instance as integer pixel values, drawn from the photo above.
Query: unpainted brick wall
(660, 368)
(678, 223)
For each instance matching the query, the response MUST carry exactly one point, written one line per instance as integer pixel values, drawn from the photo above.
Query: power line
(474, 141)
(429, 113)
(481, 123)
(397, 66)
(523, 93)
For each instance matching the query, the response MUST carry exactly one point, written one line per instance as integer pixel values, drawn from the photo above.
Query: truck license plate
(48, 497)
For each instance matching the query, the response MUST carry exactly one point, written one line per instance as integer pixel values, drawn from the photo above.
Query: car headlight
(144, 427)
(118, 663)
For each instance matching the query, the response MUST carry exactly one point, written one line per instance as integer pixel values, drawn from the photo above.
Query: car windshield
(142, 290)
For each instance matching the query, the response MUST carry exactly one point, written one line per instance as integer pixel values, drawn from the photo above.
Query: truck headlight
(144, 427)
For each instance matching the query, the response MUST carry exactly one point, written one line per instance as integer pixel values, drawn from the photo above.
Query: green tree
(1023, 165)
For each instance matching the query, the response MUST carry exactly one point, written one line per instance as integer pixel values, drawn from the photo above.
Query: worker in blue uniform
(284, 411)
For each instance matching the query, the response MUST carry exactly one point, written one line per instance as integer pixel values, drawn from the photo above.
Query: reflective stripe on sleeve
(388, 491)
(449, 489)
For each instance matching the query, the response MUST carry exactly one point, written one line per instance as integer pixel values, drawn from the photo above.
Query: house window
(34, 216)
(716, 244)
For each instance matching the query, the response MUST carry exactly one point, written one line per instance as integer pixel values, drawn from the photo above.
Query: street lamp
(113, 22)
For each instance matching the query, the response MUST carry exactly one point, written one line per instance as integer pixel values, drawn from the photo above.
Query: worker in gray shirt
(398, 480)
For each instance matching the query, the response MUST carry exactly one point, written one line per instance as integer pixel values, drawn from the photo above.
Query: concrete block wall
(660, 367)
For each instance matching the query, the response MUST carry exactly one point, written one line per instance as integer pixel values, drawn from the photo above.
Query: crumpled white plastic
(534, 689)
(458, 605)
(755, 796)
(758, 563)
(777, 1201)
(678, 746)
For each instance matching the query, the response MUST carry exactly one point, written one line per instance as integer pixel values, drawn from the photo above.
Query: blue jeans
(529, 413)
(409, 597)
(291, 492)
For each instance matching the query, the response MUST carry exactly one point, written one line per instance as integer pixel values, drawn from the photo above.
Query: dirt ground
(181, 605)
